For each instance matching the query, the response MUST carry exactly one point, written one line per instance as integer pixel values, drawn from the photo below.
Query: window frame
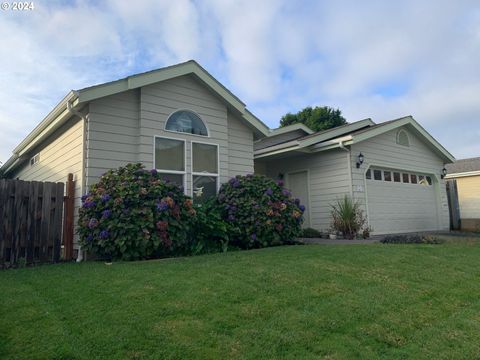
(36, 159)
(192, 173)
(189, 134)
(175, 172)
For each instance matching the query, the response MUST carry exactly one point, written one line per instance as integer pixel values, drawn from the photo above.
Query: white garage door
(400, 201)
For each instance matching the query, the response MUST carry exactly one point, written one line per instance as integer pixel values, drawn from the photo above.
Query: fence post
(68, 218)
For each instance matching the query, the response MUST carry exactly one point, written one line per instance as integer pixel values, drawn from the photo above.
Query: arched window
(186, 122)
(402, 138)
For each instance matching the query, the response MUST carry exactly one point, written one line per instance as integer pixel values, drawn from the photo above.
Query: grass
(298, 302)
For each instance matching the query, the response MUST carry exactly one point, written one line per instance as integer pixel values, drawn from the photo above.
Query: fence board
(31, 223)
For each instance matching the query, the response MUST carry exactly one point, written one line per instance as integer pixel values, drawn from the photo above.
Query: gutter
(71, 109)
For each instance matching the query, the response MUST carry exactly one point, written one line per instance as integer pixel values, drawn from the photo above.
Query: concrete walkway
(322, 241)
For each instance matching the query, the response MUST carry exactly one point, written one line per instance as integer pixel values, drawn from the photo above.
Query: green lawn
(297, 302)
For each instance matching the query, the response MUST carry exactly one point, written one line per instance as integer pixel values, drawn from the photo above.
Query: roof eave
(408, 120)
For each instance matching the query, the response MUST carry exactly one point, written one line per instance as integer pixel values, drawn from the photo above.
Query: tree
(317, 118)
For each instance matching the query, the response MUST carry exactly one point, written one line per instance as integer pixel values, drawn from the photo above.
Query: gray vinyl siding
(122, 128)
(329, 179)
(279, 139)
(383, 151)
(60, 155)
(112, 137)
(240, 143)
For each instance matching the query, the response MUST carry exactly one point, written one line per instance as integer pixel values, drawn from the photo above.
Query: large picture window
(170, 159)
(186, 121)
(204, 171)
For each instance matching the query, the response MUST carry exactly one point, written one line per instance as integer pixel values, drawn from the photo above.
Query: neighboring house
(464, 178)
(183, 122)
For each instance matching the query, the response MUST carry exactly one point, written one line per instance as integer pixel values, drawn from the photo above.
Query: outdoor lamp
(444, 173)
(360, 160)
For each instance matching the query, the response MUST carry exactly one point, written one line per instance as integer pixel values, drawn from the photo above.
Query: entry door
(297, 182)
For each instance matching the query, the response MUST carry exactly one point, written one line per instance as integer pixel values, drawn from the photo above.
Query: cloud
(372, 59)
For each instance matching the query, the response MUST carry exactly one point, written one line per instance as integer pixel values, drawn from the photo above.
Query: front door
(297, 182)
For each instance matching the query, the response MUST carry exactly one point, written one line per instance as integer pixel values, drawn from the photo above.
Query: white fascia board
(293, 143)
(290, 128)
(336, 132)
(462, 174)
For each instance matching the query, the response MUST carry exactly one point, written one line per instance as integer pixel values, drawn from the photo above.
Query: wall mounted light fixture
(360, 159)
(444, 173)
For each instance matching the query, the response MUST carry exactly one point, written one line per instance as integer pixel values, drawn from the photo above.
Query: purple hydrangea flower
(106, 214)
(280, 182)
(104, 234)
(153, 172)
(249, 175)
(286, 192)
(105, 198)
(302, 208)
(231, 218)
(89, 238)
(269, 192)
(92, 223)
(85, 196)
(254, 237)
(236, 183)
(162, 205)
(88, 204)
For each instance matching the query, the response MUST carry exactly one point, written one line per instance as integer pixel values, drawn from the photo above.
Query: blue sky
(377, 59)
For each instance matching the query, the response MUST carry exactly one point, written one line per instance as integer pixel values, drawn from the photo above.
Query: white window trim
(185, 133)
(217, 175)
(175, 172)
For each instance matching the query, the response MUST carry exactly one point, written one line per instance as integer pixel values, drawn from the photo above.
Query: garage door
(400, 201)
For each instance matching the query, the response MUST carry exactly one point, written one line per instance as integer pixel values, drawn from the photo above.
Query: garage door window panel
(413, 178)
(387, 176)
(377, 175)
(406, 178)
(396, 177)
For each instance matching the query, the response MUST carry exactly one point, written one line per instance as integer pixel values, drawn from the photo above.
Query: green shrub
(261, 212)
(132, 214)
(210, 230)
(347, 217)
(310, 233)
(410, 239)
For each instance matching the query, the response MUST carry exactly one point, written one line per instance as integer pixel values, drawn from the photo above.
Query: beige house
(464, 179)
(184, 123)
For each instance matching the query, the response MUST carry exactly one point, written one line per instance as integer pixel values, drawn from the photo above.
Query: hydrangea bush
(132, 214)
(261, 211)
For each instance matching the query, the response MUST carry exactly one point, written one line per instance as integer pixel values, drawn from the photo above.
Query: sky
(371, 59)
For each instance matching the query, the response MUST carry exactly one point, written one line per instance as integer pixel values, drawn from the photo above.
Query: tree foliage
(317, 118)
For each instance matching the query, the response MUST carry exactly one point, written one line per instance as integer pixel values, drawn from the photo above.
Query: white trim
(290, 128)
(462, 174)
(217, 175)
(185, 133)
(175, 172)
(287, 183)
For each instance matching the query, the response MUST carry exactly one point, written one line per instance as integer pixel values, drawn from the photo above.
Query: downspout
(72, 111)
(349, 161)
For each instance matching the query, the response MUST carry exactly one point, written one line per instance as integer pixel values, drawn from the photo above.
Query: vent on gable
(402, 138)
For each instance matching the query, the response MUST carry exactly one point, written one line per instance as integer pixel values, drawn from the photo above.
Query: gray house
(183, 122)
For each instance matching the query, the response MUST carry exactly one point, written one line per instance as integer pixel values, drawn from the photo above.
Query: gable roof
(464, 167)
(77, 99)
(289, 128)
(354, 133)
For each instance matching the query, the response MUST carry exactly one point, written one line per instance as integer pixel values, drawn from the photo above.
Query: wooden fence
(31, 225)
